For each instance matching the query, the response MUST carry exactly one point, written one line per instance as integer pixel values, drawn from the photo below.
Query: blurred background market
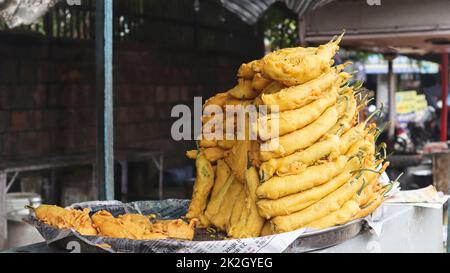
(167, 52)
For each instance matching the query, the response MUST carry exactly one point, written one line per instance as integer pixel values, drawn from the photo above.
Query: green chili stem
(362, 186)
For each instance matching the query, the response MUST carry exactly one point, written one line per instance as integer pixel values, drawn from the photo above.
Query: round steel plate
(326, 238)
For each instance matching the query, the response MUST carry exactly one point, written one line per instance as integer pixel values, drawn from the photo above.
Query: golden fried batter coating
(177, 228)
(62, 218)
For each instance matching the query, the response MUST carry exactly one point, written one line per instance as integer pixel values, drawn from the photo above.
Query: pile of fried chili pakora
(320, 169)
(323, 167)
(103, 223)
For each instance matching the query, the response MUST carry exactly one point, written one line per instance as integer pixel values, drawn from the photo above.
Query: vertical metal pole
(391, 90)
(104, 63)
(3, 220)
(161, 173)
(444, 83)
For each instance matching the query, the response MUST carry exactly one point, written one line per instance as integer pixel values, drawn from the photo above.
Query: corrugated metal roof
(251, 10)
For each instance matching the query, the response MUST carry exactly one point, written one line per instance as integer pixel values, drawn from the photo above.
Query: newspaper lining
(427, 197)
(166, 209)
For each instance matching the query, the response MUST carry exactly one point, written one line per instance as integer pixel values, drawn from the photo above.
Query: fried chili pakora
(63, 218)
(176, 228)
(103, 223)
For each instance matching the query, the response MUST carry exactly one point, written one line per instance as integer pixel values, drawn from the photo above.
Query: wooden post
(441, 171)
(302, 30)
(392, 105)
(444, 113)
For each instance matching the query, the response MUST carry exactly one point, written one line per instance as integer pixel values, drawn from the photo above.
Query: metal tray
(321, 239)
(74, 242)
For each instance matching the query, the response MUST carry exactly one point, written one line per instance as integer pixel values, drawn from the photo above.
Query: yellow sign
(410, 102)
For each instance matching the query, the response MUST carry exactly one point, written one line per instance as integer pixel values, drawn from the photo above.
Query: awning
(23, 12)
(407, 27)
(251, 10)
